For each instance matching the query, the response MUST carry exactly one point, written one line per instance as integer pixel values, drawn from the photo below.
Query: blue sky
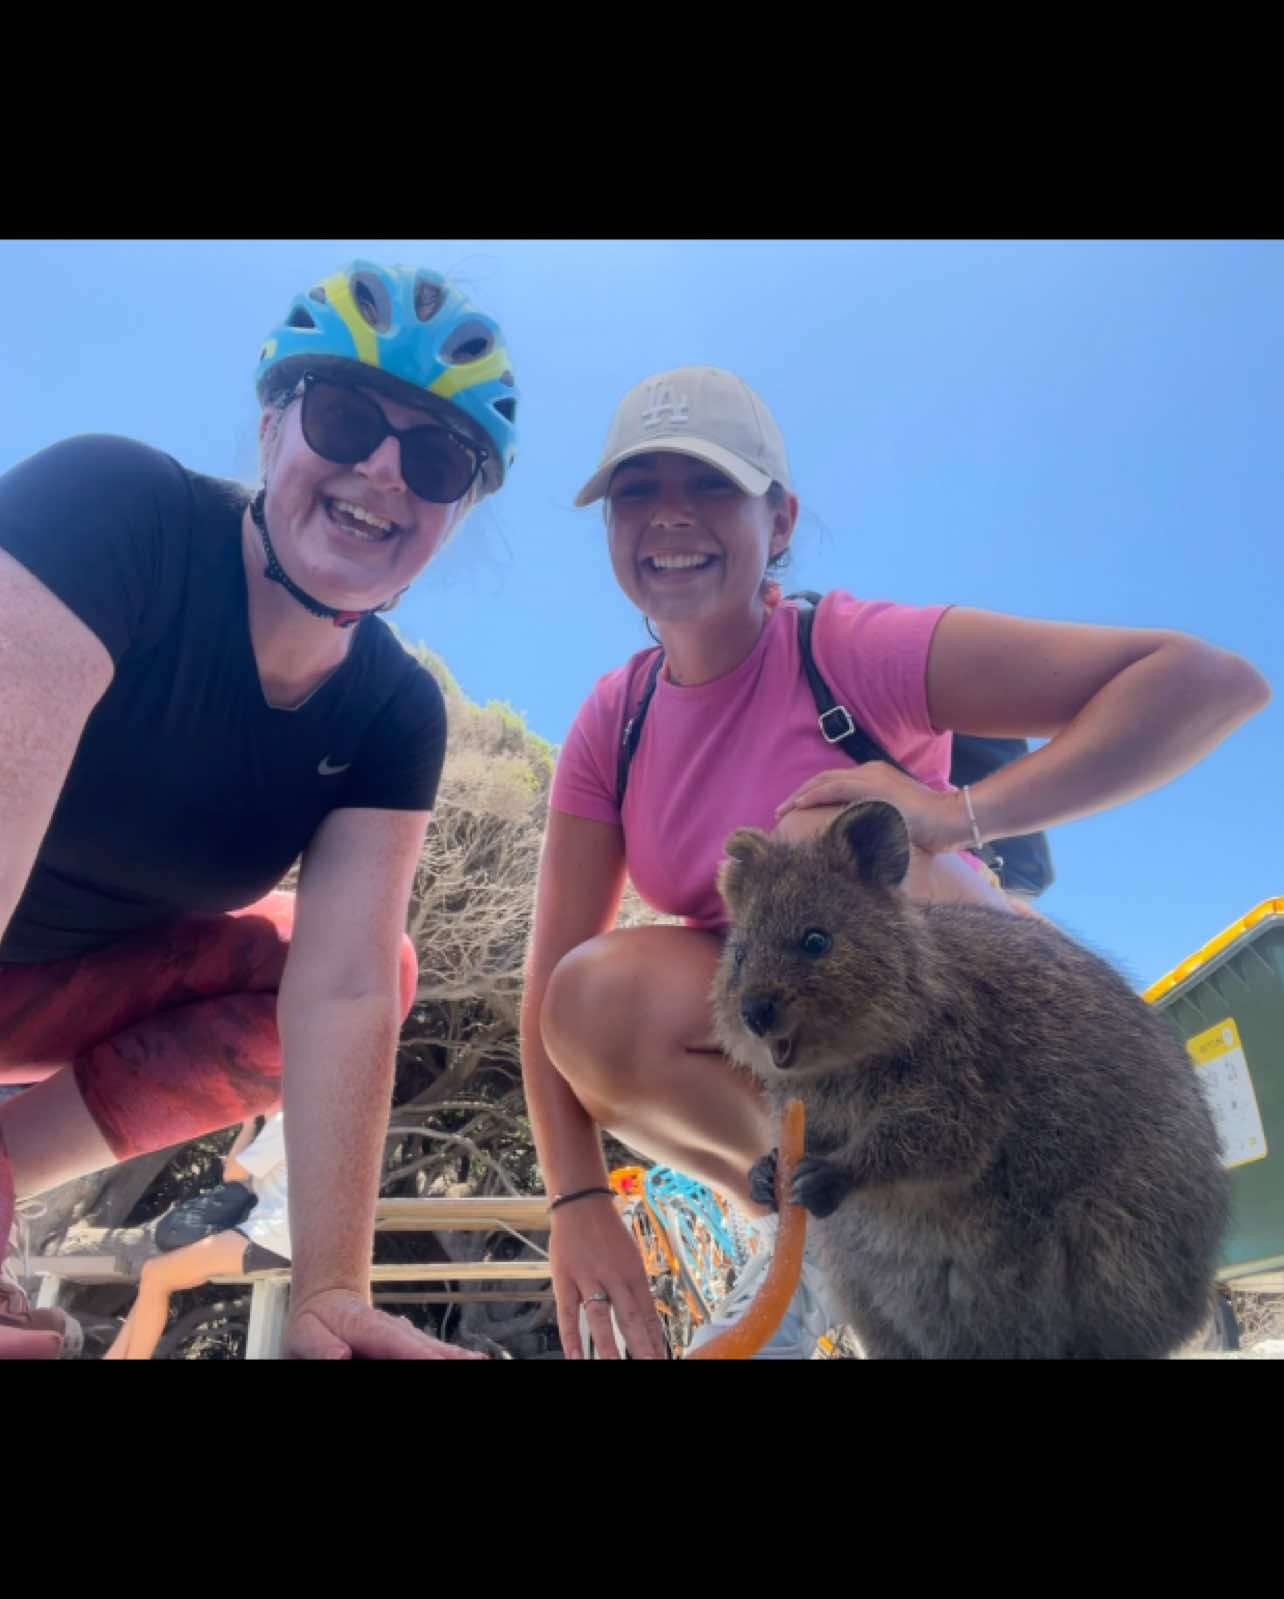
(1088, 430)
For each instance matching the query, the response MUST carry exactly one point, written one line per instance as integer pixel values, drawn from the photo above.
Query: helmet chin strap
(276, 572)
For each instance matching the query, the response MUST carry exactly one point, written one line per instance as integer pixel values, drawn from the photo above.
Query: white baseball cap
(695, 410)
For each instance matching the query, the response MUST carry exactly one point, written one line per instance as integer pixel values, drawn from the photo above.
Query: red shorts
(171, 1033)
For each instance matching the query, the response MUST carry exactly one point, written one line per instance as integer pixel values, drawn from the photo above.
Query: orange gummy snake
(771, 1301)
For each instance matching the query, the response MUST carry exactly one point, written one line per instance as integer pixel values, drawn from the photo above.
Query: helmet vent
(372, 301)
(469, 342)
(507, 379)
(507, 408)
(428, 299)
(300, 317)
(318, 293)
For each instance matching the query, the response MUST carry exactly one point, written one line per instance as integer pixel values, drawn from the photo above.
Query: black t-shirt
(188, 792)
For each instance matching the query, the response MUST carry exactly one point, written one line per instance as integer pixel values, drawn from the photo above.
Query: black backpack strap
(633, 731)
(837, 724)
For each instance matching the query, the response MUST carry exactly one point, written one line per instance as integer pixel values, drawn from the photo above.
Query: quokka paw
(818, 1186)
(762, 1180)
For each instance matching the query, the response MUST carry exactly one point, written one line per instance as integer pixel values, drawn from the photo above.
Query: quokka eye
(738, 954)
(815, 941)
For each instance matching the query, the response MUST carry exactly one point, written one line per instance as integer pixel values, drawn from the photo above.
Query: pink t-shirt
(724, 754)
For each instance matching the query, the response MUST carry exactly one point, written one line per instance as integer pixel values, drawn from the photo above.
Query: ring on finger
(600, 1297)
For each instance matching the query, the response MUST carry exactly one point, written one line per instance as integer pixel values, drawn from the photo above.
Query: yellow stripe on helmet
(339, 295)
(456, 378)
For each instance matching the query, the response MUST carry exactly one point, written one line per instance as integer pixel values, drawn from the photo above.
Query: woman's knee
(586, 1005)
(618, 1002)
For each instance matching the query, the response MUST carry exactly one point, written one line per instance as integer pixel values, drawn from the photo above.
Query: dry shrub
(1260, 1316)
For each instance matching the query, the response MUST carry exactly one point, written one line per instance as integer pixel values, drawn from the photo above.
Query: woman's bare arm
(581, 879)
(53, 671)
(1124, 711)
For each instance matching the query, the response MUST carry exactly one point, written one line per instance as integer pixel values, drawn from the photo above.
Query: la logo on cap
(659, 401)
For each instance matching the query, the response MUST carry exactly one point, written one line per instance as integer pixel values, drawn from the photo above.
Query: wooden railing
(94, 1255)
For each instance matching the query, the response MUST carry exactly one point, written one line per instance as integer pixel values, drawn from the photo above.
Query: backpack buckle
(844, 730)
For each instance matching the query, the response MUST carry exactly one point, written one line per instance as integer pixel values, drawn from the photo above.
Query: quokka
(1008, 1153)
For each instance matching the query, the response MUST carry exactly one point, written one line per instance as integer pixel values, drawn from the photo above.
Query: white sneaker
(807, 1319)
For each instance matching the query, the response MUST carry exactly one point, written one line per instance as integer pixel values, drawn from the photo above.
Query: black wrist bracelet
(580, 1193)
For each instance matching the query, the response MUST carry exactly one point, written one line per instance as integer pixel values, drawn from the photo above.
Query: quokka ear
(745, 846)
(875, 835)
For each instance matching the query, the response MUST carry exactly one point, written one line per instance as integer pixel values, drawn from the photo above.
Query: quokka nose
(759, 1013)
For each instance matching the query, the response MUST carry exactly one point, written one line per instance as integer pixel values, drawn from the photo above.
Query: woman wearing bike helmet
(616, 1026)
(196, 692)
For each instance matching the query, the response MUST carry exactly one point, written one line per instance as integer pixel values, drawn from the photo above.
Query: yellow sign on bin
(1223, 1074)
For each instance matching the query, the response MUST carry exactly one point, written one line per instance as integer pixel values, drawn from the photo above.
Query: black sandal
(204, 1215)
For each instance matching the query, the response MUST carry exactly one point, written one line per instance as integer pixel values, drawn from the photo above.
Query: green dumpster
(1226, 1004)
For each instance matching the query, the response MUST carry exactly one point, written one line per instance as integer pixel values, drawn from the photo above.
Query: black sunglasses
(345, 426)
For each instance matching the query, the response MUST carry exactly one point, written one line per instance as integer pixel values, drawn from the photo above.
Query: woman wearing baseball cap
(197, 691)
(616, 1027)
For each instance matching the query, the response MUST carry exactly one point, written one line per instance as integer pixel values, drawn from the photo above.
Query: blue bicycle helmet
(418, 340)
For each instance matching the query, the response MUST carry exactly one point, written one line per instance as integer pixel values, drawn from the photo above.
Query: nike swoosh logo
(327, 770)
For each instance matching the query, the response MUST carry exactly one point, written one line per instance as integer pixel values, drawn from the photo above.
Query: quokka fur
(1007, 1151)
